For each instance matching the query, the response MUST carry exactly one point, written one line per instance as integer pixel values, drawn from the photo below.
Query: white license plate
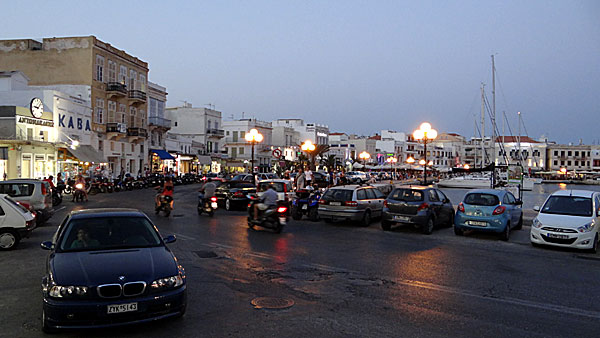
(305, 206)
(120, 308)
(335, 203)
(401, 218)
(282, 220)
(213, 205)
(478, 223)
(551, 235)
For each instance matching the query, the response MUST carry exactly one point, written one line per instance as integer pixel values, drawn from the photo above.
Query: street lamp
(364, 156)
(410, 160)
(253, 136)
(392, 160)
(308, 147)
(425, 134)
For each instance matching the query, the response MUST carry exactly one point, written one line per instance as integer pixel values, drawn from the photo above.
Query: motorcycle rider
(81, 180)
(166, 190)
(268, 199)
(207, 190)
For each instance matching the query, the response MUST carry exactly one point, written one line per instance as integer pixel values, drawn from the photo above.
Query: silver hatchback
(351, 202)
(34, 192)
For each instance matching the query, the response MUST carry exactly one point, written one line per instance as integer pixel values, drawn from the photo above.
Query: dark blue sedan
(109, 267)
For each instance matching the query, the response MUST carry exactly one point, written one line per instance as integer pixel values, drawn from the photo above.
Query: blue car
(110, 267)
(489, 210)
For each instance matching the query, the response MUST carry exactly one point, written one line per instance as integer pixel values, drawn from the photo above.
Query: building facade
(239, 151)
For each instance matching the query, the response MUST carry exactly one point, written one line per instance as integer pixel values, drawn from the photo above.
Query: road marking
(184, 237)
(59, 209)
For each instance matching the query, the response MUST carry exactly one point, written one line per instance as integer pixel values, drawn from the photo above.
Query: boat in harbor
(466, 182)
(527, 183)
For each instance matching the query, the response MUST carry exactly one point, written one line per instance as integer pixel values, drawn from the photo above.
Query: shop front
(160, 160)
(82, 159)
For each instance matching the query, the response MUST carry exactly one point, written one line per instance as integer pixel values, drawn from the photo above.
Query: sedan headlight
(586, 227)
(536, 223)
(59, 291)
(168, 282)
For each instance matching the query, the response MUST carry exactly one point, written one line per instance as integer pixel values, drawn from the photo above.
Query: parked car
(489, 210)
(35, 193)
(83, 287)
(351, 202)
(233, 194)
(319, 178)
(16, 222)
(422, 207)
(357, 176)
(568, 218)
(285, 191)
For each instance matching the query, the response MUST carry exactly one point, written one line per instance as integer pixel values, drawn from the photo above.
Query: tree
(329, 161)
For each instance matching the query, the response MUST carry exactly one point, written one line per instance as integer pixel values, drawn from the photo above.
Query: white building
(239, 151)
(316, 133)
(287, 140)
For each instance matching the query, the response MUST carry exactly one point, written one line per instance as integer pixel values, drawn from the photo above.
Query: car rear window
(482, 199)
(17, 189)
(568, 205)
(242, 185)
(406, 195)
(341, 195)
(17, 205)
(279, 186)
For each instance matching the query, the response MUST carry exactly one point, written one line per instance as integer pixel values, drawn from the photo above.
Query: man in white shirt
(308, 176)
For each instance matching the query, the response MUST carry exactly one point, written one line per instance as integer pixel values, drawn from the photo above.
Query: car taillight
(237, 194)
(43, 189)
(385, 204)
(499, 210)
(322, 202)
(461, 207)
(213, 199)
(281, 210)
(423, 206)
(351, 203)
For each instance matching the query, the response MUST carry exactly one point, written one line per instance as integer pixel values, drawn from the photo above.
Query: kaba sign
(73, 123)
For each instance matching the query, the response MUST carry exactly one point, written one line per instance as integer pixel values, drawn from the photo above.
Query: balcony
(116, 89)
(116, 131)
(137, 96)
(136, 135)
(159, 122)
(215, 132)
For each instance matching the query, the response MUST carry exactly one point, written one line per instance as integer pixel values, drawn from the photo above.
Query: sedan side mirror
(170, 239)
(519, 202)
(536, 208)
(47, 245)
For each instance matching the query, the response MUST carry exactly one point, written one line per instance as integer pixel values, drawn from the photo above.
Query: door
(447, 208)
(26, 166)
(376, 197)
(3, 218)
(514, 209)
(436, 206)
(363, 200)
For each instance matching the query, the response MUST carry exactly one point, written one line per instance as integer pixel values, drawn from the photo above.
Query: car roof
(22, 180)
(106, 212)
(274, 180)
(414, 187)
(573, 192)
(351, 187)
(497, 192)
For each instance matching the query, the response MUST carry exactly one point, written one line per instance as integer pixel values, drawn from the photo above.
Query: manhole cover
(272, 303)
(206, 254)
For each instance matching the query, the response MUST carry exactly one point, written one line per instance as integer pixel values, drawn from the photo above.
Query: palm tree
(329, 161)
(320, 150)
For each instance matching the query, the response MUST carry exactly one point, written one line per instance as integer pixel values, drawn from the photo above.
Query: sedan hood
(563, 221)
(103, 267)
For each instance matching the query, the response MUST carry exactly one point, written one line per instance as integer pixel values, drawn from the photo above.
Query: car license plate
(305, 206)
(213, 205)
(551, 235)
(478, 223)
(335, 203)
(282, 220)
(401, 218)
(120, 308)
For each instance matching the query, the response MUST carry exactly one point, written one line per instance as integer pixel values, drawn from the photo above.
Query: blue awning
(162, 154)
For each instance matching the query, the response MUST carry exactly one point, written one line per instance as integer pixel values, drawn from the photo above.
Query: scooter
(208, 206)
(78, 195)
(165, 205)
(274, 218)
(56, 197)
(307, 202)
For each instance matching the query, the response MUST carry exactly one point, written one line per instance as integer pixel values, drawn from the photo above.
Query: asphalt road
(344, 280)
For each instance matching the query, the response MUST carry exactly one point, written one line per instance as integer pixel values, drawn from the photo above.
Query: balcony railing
(137, 132)
(217, 132)
(137, 95)
(116, 88)
(113, 127)
(159, 122)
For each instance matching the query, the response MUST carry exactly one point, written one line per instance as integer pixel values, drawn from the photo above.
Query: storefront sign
(38, 122)
(77, 123)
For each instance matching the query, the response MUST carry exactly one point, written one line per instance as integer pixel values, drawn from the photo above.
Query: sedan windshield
(482, 199)
(104, 233)
(568, 205)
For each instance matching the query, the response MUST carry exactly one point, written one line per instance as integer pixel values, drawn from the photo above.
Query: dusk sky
(357, 66)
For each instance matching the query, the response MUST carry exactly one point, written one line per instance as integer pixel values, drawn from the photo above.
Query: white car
(569, 218)
(357, 176)
(16, 222)
(283, 187)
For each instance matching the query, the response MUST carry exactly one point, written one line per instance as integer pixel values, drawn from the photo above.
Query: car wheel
(8, 239)
(227, 204)
(458, 231)
(594, 248)
(366, 221)
(520, 224)
(386, 225)
(506, 233)
(427, 228)
(450, 221)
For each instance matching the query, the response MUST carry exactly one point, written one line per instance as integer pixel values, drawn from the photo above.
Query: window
(112, 108)
(141, 148)
(209, 124)
(433, 196)
(112, 146)
(132, 79)
(361, 194)
(17, 189)
(577, 163)
(441, 195)
(175, 123)
(555, 162)
(242, 134)
(370, 194)
(99, 67)
(122, 110)
(142, 84)
(122, 147)
(100, 145)
(132, 115)
(112, 71)
(123, 75)
(235, 136)
(227, 133)
(569, 154)
(216, 125)
(99, 117)
(241, 151)
(576, 154)
(556, 153)
(568, 162)
(132, 147)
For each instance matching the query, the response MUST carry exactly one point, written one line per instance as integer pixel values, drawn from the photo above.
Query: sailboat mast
(482, 125)
(493, 108)
(519, 138)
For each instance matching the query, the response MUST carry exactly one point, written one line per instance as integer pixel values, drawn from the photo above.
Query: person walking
(300, 180)
(308, 176)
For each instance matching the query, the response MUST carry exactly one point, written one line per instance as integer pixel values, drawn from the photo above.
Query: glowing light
(308, 146)
(253, 136)
(410, 160)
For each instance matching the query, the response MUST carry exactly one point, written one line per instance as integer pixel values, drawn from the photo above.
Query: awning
(162, 154)
(204, 160)
(86, 153)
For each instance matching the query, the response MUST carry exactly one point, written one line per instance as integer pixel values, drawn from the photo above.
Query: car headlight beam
(59, 291)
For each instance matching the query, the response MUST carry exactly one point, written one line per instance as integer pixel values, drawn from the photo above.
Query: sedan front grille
(570, 231)
(109, 290)
(133, 288)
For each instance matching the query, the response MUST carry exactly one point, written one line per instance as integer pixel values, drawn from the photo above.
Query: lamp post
(365, 157)
(392, 160)
(308, 147)
(425, 134)
(253, 136)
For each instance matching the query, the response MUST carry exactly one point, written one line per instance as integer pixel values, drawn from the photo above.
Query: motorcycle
(78, 195)
(68, 189)
(273, 218)
(118, 185)
(93, 186)
(56, 196)
(165, 205)
(208, 206)
(306, 202)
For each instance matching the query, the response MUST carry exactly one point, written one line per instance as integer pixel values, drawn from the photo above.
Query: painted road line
(184, 237)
